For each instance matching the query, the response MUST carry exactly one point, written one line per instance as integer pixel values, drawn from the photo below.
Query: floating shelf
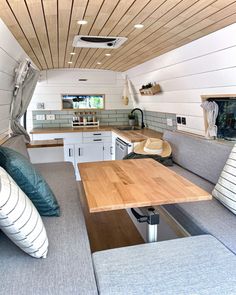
(87, 124)
(151, 91)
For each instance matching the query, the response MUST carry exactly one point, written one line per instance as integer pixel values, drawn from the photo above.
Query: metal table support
(151, 216)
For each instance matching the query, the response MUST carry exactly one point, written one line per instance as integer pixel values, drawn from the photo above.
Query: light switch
(169, 122)
(40, 117)
(50, 117)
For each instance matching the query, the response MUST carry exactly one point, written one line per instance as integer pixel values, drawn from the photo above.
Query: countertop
(129, 135)
(45, 143)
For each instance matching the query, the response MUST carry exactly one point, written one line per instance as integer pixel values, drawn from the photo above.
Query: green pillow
(30, 181)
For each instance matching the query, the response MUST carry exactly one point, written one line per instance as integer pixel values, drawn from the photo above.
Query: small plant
(131, 116)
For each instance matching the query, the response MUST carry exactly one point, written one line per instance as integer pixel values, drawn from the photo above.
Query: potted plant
(131, 119)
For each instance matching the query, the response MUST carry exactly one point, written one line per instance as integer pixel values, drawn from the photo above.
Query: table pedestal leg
(151, 216)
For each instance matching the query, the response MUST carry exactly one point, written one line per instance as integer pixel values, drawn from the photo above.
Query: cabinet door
(69, 153)
(108, 152)
(88, 152)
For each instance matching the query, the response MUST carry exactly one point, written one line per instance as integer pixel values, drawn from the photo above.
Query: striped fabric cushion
(20, 220)
(225, 189)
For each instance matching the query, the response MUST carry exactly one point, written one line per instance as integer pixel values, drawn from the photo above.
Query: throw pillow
(30, 181)
(20, 220)
(225, 189)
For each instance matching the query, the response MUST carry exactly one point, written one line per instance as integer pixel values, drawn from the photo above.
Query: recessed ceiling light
(138, 26)
(99, 63)
(72, 53)
(108, 54)
(70, 62)
(82, 22)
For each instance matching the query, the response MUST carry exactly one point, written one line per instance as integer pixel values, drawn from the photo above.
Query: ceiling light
(82, 22)
(99, 63)
(72, 53)
(108, 54)
(70, 62)
(138, 26)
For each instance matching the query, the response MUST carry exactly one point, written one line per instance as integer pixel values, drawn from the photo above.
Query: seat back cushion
(203, 157)
(30, 181)
(20, 220)
(17, 143)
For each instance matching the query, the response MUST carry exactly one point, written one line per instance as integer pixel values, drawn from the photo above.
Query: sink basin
(124, 128)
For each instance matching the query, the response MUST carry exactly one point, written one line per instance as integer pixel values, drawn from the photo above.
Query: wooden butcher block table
(112, 185)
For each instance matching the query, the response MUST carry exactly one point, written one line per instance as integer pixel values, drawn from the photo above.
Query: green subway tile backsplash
(153, 120)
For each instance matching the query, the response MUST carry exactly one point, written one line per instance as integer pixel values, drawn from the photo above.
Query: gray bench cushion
(17, 143)
(205, 158)
(196, 265)
(206, 216)
(68, 268)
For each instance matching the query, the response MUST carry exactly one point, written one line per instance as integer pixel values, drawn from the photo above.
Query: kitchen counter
(129, 135)
(45, 143)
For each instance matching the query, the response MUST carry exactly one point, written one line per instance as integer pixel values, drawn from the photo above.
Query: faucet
(142, 122)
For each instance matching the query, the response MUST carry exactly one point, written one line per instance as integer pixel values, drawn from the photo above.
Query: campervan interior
(117, 147)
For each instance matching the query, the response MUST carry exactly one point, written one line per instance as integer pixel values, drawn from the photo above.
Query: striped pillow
(20, 220)
(225, 189)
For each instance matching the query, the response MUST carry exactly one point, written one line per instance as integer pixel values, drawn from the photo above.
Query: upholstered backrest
(17, 143)
(203, 157)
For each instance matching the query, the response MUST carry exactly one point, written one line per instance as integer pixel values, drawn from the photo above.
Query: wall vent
(98, 41)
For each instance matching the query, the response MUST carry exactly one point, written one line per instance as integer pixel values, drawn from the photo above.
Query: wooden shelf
(150, 91)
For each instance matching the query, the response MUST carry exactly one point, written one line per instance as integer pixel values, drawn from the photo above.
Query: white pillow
(20, 220)
(225, 189)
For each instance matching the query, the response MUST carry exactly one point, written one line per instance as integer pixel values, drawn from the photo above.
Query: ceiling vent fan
(98, 41)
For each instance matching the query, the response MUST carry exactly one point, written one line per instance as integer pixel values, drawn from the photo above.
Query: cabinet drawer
(97, 134)
(96, 140)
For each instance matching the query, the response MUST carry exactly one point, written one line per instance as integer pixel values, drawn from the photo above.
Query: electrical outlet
(40, 117)
(50, 117)
(169, 122)
(179, 120)
(183, 120)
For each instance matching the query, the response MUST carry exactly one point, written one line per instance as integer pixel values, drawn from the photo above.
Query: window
(83, 101)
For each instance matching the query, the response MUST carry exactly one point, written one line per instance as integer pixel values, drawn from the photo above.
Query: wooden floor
(107, 230)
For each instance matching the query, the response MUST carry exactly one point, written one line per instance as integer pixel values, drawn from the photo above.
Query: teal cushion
(30, 181)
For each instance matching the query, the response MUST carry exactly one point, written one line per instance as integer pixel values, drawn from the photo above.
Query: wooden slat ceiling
(46, 28)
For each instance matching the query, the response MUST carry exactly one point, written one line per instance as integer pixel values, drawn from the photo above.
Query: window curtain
(211, 108)
(21, 98)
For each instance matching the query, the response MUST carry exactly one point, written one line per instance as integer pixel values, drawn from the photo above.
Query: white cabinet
(108, 151)
(88, 152)
(69, 152)
(80, 147)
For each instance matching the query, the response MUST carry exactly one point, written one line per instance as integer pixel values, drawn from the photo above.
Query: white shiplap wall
(10, 55)
(204, 66)
(53, 83)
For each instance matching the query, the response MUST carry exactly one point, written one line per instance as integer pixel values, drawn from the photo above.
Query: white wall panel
(53, 83)
(202, 67)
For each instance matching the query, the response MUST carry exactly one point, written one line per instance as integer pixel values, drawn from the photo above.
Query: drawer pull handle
(97, 133)
(70, 152)
(97, 140)
(111, 150)
(79, 152)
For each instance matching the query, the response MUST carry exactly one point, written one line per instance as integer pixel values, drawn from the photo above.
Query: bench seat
(68, 267)
(194, 265)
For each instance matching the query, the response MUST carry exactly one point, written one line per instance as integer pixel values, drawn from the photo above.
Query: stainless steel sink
(124, 128)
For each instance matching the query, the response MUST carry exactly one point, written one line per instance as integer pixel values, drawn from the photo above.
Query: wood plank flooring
(107, 230)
